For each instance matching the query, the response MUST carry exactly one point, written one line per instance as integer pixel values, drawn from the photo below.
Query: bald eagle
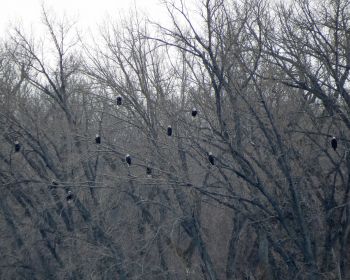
(211, 158)
(334, 143)
(169, 131)
(119, 100)
(17, 146)
(128, 159)
(69, 196)
(98, 139)
(194, 112)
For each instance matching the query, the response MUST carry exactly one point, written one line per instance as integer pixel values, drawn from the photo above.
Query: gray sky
(86, 12)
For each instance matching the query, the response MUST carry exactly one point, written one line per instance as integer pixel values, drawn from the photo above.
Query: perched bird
(169, 131)
(194, 112)
(148, 171)
(69, 196)
(128, 159)
(211, 158)
(334, 143)
(17, 146)
(119, 100)
(98, 139)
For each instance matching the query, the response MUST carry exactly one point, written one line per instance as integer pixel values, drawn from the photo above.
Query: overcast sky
(87, 12)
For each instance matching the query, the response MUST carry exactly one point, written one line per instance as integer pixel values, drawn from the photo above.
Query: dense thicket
(248, 187)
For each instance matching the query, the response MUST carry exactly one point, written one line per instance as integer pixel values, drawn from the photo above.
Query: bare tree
(198, 150)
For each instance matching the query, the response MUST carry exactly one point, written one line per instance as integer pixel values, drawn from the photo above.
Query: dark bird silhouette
(98, 139)
(211, 158)
(194, 112)
(169, 131)
(17, 146)
(334, 143)
(69, 196)
(148, 171)
(119, 100)
(128, 159)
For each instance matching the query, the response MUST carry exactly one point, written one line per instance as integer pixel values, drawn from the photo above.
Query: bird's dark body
(17, 146)
(194, 112)
(211, 159)
(69, 196)
(334, 143)
(169, 131)
(128, 159)
(119, 100)
(98, 139)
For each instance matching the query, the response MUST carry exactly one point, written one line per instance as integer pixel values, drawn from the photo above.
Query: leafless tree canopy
(216, 147)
